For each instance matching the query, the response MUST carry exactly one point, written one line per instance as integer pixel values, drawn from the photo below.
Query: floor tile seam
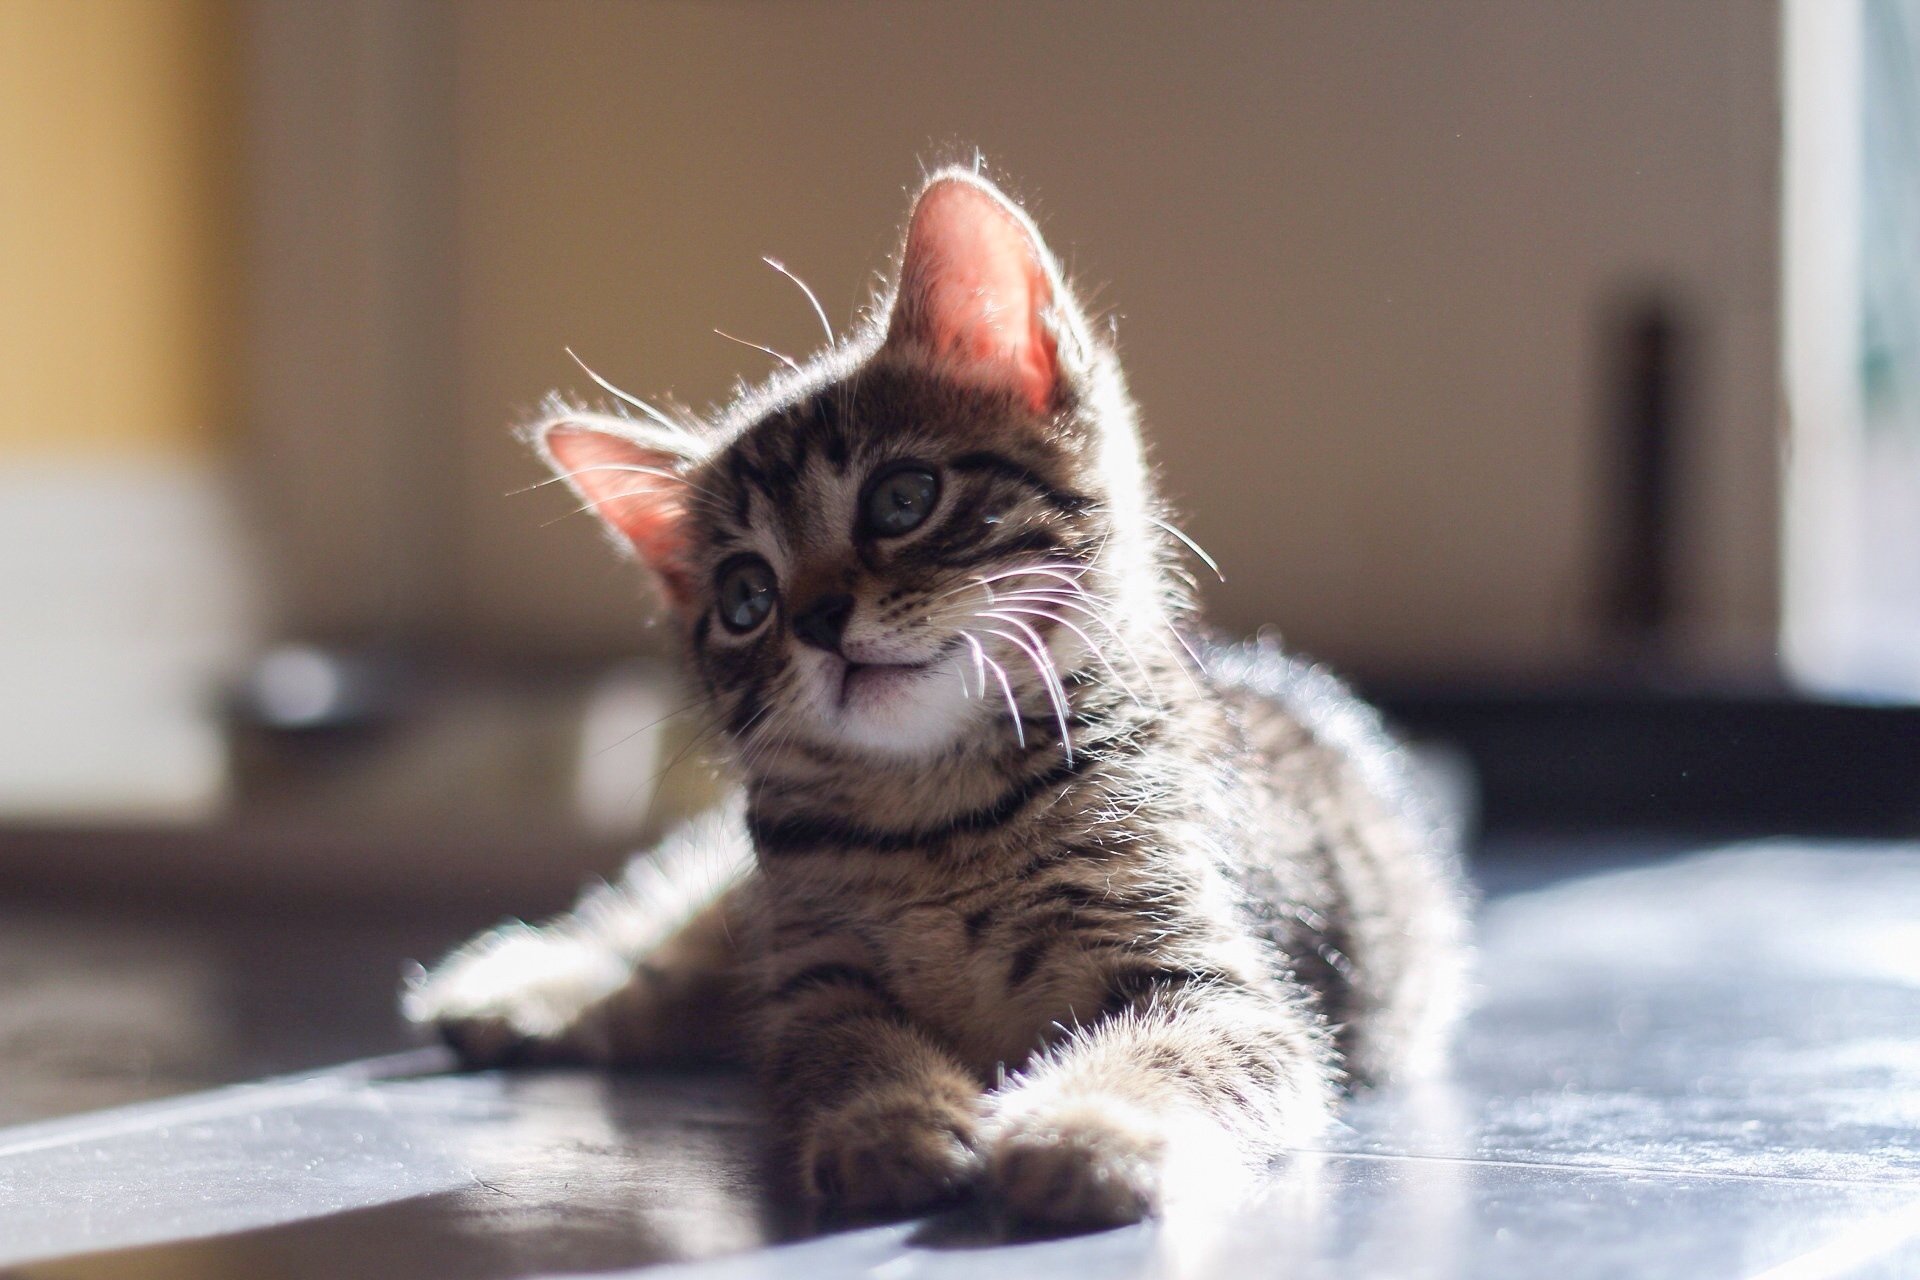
(1631, 1170)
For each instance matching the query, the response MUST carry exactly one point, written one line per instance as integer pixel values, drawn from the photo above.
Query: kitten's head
(936, 523)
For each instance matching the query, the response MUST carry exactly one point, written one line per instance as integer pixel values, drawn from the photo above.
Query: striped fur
(1061, 896)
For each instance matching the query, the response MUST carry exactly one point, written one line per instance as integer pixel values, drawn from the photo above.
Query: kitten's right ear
(978, 290)
(634, 478)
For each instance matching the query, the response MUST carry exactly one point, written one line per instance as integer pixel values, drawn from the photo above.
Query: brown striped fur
(1035, 939)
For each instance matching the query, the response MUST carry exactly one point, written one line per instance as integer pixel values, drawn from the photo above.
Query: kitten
(1018, 894)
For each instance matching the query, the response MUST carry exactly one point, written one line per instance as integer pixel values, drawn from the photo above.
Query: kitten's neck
(816, 784)
(891, 792)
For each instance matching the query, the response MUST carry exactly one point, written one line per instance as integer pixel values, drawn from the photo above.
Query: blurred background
(1552, 369)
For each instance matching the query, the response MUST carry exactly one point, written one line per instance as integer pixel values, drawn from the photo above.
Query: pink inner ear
(972, 288)
(636, 490)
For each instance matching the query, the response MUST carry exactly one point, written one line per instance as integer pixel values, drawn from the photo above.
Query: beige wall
(1360, 255)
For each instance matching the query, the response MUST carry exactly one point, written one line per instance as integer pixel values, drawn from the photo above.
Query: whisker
(979, 657)
(679, 428)
(1027, 630)
(774, 735)
(1006, 686)
(626, 738)
(712, 729)
(1167, 624)
(1078, 602)
(1194, 658)
(1072, 579)
(629, 468)
(783, 359)
(818, 310)
(1000, 611)
(1043, 667)
(1065, 570)
(1192, 546)
(746, 730)
(666, 473)
(595, 504)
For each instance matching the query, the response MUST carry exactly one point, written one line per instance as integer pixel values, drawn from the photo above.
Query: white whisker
(818, 310)
(1192, 546)
(979, 658)
(1070, 579)
(1006, 686)
(594, 504)
(1194, 658)
(679, 428)
(1190, 666)
(1049, 678)
(665, 473)
(628, 468)
(786, 360)
(1078, 602)
(1001, 610)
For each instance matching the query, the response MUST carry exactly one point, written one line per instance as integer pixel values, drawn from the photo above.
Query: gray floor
(1698, 1065)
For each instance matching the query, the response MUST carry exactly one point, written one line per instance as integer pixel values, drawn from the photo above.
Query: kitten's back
(1355, 872)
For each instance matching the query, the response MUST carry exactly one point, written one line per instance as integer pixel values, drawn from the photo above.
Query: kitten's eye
(747, 592)
(899, 500)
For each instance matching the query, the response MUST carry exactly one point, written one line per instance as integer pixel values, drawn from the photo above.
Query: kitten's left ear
(978, 290)
(634, 478)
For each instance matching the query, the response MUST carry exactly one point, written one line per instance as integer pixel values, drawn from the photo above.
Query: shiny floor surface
(1699, 1064)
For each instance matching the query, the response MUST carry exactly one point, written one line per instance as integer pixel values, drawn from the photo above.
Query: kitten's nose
(822, 623)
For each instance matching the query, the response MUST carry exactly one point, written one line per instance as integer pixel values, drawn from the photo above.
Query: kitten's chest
(957, 984)
(955, 959)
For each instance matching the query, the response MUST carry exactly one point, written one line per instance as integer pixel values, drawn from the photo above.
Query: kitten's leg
(875, 1114)
(645, 970)
(1184, 1064)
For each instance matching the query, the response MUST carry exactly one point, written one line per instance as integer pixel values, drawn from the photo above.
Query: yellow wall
(114, 224)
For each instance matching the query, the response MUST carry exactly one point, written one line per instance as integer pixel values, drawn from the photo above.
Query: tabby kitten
(1019, 892)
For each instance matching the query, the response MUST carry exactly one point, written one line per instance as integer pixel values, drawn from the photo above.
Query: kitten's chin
(897, 711)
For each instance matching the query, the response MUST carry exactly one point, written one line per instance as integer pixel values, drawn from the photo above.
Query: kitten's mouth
(867, 680)
(874, 678)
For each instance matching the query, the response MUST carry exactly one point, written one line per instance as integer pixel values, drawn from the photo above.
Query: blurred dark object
(1639, 757)
(1645, 399)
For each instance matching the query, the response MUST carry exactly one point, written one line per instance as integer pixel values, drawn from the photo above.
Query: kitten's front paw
(1076, 1165)
(519, 994)
(891, 1149)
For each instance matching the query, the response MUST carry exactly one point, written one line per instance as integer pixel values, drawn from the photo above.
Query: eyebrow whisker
(818, 310)
(679, 428)
(786, 360)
